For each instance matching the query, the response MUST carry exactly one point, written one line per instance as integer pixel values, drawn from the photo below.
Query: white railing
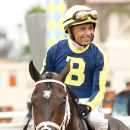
(15, 125)
(15, 122)
(13, 114)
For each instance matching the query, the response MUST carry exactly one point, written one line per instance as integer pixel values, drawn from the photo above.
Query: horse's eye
(63, 102)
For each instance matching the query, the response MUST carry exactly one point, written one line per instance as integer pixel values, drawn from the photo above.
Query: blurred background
(29, 27)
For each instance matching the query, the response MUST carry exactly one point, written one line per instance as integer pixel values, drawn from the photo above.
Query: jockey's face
(83, 33)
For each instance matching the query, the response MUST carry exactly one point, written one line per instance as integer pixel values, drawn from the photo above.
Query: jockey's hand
(84, 110)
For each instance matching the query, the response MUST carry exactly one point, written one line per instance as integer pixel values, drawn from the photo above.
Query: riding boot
(109, 128)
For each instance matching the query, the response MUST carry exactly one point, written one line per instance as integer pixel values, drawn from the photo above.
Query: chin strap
(72, 36)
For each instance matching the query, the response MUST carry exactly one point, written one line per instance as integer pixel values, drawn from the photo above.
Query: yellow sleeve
(102, 81)
(44, 64)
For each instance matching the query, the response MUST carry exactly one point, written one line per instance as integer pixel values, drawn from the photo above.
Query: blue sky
(12, 13)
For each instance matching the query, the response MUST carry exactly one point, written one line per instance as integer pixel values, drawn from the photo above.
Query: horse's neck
(80, 121)
(76, 122)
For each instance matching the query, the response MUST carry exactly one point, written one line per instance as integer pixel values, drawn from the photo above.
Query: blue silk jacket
(88, 69)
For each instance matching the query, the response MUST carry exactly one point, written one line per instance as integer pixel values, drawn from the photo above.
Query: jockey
(88, 64)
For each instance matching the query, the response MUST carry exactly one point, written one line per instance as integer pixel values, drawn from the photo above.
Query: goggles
(83, 15)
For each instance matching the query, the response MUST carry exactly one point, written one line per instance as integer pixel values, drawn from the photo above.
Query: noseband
(67, 111)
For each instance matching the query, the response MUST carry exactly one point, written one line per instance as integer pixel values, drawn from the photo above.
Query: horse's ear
(33, 72)
(64, 72)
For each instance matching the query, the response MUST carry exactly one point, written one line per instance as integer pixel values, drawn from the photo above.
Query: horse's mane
(75, 100)
(48, 76)
(74, 97)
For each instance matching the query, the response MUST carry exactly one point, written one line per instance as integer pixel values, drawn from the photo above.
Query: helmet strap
(72, 35)
(92, 39)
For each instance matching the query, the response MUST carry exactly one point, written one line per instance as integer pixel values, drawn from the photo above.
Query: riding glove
(84, 110)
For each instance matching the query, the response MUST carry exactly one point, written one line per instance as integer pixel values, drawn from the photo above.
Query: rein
(67, 110)
(26, 126)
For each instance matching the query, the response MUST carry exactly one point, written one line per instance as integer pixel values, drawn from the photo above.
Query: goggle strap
(73, 23)
(67, 20)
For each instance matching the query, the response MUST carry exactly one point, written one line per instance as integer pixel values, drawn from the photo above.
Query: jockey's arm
(99, 81)
(49, 61)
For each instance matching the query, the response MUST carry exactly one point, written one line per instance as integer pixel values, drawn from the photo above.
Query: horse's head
(51, 109)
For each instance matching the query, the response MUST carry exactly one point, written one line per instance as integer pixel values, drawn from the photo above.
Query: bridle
(66, 115)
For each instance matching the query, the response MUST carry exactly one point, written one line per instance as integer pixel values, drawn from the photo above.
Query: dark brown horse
(55, 104)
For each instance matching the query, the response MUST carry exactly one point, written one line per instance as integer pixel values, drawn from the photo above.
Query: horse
(55, 105)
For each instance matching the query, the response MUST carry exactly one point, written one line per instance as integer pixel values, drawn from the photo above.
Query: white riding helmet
(79, 14)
